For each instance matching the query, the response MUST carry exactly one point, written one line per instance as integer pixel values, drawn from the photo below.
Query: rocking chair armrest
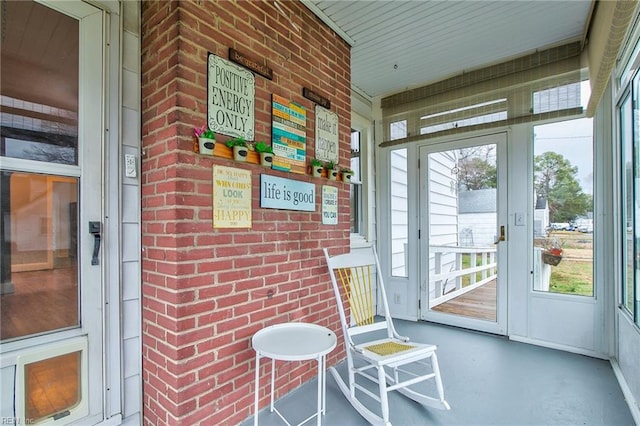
(405, 339)
(355, 348)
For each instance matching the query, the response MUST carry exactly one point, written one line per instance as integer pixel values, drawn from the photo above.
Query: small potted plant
(240, 149)
(347, 174)
(266, 153)
(316, 167)
(332, 170)
(206, 140)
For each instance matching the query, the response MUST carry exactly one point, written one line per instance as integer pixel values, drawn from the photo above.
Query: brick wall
(207, 291)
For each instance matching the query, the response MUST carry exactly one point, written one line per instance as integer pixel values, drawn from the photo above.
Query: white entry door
(464, 233)
(52, 212)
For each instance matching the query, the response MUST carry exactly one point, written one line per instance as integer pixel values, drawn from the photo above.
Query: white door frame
(89, 171)
(500, 140)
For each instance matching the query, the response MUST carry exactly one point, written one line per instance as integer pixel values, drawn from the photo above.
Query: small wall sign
(287, 194)
(231, 197)
(251, 64)
(326, 135)
(231, 98)
(329, 205)
(313, 96)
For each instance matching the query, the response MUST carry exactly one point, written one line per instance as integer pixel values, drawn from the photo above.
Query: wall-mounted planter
(266, 159)
(346, 177)
(317, 171)
(206, 146)
(333, 174)
(240, 153)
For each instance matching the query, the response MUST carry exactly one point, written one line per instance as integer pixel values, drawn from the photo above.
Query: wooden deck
(479, 303)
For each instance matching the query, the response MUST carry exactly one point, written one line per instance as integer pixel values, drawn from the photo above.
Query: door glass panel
(633, 289)
(463, 215)
(399, 213)
(626, 140)
(52, 387)
(39, 253)
(39, 91)
(563, 207)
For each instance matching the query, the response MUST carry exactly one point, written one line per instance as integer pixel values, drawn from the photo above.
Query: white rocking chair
(389, 356)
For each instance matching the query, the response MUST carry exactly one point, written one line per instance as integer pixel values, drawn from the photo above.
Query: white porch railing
(481, 260)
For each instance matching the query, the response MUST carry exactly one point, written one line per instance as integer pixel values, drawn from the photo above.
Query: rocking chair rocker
(390, 356)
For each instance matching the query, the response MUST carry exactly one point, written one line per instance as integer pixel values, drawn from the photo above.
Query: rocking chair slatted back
(358, 289)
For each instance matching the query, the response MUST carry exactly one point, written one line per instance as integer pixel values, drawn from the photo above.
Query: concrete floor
(488, 380)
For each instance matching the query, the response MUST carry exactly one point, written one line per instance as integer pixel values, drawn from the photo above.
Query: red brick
(227, 273)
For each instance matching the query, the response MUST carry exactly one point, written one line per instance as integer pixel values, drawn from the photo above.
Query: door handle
(95, 229)
(502, 237)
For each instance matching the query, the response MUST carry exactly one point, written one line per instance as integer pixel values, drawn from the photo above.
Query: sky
(573, 140)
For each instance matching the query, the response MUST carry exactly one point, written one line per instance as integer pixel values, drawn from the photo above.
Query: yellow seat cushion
(388, 348)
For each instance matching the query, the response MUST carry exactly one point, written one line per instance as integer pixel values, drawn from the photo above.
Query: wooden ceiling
(398, 45)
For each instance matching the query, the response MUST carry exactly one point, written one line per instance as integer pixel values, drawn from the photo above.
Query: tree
(555, 178)
(476, 168)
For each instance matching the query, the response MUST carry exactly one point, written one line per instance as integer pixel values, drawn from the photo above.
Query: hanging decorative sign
(326, 135)
(313, 96)
(231, 98)
(231, 197)
(289, 135)
(329, 205)
(287, 194)
(249, 63)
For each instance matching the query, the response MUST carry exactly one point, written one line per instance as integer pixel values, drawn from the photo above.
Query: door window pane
(39, 270)
(355, 190)
(563, 207)
(39, 91)
(463, 215)
(399, 213)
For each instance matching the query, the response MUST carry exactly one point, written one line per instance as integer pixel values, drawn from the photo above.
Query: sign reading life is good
(326, 135)
(231, 98)
(287, 194)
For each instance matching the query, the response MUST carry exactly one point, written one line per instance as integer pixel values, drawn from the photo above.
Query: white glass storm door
(463, 233)
(51, 183)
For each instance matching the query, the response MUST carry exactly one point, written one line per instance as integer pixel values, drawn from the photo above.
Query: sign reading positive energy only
(231, 98)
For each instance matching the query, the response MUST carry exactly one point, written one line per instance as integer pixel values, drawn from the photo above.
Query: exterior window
(399, 213)
(471, 115)
(398, 129)
(630, 168)
(557, 98)
(563, 207)
(626, 140)
(355, 191)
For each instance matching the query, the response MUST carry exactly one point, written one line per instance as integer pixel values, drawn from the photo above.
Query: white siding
(399, 212)
(130, 217)
(482, 227)
(443, 210)
(443, 200)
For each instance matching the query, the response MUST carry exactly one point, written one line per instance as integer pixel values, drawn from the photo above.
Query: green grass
(466, 263)
(571, 277)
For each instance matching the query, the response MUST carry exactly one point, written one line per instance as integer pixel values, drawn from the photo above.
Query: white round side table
(295, 341)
